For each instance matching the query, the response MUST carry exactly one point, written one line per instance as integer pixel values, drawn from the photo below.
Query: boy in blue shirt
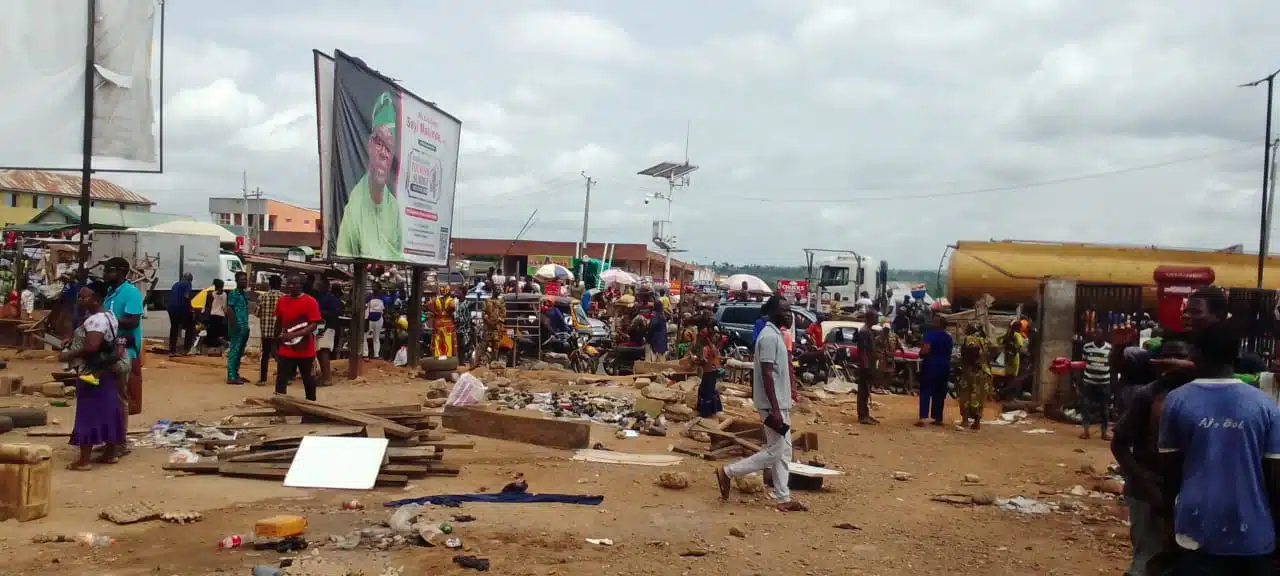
(935, 371)
(1220, 444)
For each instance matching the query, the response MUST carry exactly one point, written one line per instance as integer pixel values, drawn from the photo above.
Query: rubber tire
(26, 417)
(438, 375)
(6, 424)
(437, 365)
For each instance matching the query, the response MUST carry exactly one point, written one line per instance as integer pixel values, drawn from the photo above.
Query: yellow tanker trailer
(1011, 270)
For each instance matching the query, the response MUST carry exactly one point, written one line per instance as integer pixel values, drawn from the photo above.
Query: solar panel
(668, 170)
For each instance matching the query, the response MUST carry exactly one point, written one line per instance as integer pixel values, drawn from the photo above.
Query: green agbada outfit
(368, 229)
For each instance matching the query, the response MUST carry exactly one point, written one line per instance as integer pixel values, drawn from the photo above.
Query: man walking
(182, 321)
(237, 328)
(868, 365)
(935, 371)
(124, 301)
(1220, 447)
(375, 307)
(298, 314)
(771, 393)
(1096, 392)
(268, 325)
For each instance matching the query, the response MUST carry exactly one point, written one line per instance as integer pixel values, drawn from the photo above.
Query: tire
(26, 417)
(6, 424)
(438, 365)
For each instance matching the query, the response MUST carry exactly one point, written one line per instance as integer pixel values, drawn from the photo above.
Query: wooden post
(415, 316)
(356, 336)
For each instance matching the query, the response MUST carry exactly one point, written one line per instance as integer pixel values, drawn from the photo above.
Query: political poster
(394, 161)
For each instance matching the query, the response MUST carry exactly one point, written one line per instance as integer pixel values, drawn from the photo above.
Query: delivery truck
(170, 255)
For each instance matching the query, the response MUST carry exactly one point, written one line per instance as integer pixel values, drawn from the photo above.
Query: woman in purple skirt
(102, 362)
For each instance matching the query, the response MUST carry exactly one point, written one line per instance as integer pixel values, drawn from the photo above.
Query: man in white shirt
(771, 392)
(375, 309)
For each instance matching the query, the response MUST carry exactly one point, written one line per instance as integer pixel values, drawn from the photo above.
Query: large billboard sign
(389, 163)
(42, 104)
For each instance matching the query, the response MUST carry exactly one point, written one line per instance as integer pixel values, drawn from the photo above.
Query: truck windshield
(833, 276)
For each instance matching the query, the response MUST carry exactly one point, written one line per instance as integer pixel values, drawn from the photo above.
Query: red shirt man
(298, 315)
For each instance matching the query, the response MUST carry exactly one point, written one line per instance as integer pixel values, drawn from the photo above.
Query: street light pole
(1269, 80)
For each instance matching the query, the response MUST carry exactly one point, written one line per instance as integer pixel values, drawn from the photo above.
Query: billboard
(42, 106)
(392, 168)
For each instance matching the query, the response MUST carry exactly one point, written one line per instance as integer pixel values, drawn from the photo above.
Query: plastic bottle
(94, 540)
(235, 541)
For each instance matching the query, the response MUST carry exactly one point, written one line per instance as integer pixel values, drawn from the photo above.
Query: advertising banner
(796, 291)
(42, 105)
(540, 260)
(394, 168)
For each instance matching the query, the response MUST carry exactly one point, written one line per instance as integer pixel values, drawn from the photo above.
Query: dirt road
(900, 530)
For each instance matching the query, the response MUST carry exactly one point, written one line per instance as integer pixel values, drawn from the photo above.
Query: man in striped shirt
(1095, 394)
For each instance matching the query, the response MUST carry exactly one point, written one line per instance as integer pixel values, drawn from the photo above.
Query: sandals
(79, 466)
(791, 506)
(722, 479)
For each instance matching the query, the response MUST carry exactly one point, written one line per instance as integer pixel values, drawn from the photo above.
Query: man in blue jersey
(1220, 446)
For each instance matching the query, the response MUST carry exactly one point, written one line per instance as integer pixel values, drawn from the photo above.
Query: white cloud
(220, 102)
(572, 35)
(589, 157)
(826, 23)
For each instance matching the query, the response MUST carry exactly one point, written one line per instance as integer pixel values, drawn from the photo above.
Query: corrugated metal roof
(105, 217)
(67, 185)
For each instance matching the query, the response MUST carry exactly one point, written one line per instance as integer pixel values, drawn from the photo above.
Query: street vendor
(443, 330)
(688, 334)
(495, 316)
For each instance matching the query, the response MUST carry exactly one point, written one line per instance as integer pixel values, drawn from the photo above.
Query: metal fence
(1252, 318)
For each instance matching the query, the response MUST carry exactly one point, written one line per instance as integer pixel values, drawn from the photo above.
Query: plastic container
(94, 540)
(235, 541)
(282, 526)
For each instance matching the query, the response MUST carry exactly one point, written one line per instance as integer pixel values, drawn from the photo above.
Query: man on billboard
(370, 226)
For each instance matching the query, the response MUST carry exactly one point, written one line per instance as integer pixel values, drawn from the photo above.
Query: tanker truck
(1011, 270)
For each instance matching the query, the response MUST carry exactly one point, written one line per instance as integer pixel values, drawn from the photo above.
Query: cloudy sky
(893, 127)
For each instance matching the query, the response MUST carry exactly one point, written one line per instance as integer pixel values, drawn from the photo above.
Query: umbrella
(553, 272)
(619, 276)
(753, 284)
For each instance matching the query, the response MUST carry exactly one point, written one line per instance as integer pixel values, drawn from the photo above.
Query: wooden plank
(449, 444)
(273, 471)
(411, 453)
(415, 470)
(527, 429)
(267, 456)
(286, 432)
(208, 467)
(341, 415)
(374, 431)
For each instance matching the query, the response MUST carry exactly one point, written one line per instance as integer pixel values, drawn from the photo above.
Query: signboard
(392, 170)
(675, 287)
(795, 291)
(540, 260)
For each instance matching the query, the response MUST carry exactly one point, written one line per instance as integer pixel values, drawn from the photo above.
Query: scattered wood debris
(416, 444)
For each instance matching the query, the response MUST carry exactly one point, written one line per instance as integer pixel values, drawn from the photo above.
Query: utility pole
(250, 233)
(586, 217)
(1269, 80)
(1271, 196)
(86, 170)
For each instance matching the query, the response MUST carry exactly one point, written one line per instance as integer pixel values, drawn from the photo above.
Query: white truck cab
(842, 278)
(228, 266)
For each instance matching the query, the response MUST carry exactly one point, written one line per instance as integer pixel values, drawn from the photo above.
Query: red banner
(797, 291)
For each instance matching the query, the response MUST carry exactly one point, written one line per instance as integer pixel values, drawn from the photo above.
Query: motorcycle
(621, 359)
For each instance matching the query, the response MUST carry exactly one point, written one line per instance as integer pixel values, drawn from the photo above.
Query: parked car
(738, 320)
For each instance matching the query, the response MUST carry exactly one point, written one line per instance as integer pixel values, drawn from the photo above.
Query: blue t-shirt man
(755, 332)
(179, 296)
(126, 300)
(938, 361)
(1224, 429)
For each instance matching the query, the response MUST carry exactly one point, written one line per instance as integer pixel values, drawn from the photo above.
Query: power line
(994, 189)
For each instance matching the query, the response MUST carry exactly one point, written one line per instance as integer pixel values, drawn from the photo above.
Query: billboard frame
(364, 67)
(88, 112)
